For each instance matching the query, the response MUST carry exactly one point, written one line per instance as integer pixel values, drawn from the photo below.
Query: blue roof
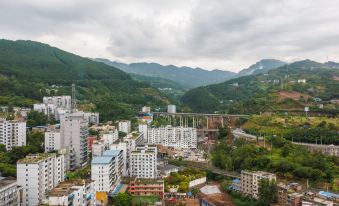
(112, 153)
(236, 181)
(328, 194)
(101, 160)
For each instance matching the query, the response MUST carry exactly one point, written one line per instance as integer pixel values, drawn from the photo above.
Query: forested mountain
(261, 66)
(29, 70)
(185, 76)
(290, 87)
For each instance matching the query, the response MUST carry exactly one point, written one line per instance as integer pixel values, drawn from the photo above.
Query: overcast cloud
(224, 34)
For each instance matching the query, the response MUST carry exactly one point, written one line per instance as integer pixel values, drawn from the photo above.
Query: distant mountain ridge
(186, 76)
(289, 87)
(261, 66)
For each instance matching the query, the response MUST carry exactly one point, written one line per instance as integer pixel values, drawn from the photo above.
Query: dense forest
(282, 157)
(30, 70)
(279, 89)
(316, 130)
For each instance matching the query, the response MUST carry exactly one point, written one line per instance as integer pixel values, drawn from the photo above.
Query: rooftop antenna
(74, 104)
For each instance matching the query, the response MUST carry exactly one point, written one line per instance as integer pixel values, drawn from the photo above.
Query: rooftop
(6, 181)
(102, 160)
(66, 187)
(35, 158)
(112, 153)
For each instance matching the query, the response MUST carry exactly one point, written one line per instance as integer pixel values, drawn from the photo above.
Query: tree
(122, 134)
(2, 148)
(268, 191)
(122, 199)
(35, 118)
(222, 133)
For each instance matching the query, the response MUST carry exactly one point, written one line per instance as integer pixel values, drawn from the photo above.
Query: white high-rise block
(126, 150)
(143, 162)
(38, 174)
(12, 133)
(106, 170)
(74, 131)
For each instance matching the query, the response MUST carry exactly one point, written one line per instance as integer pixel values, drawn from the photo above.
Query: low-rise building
(289, 194)
(72, 192)
(9, 192)
(315, 201)
(146, 187)
(125, 126)
(250, 181)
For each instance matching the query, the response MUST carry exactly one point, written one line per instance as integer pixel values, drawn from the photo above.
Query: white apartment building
(110, 137)
(106, 170)
(119, 162)
(126, 151)
(250, 181)
(47, 109)
(9, 192)
(12, 133)
(143, 128)
(177, 137)
(55, 105)
(38, 174)
(92, 117)
(125, 126)
(73, 192)
(59, 101)
(53, 140)
(143, 162)
(74, 131)
(98, 148)
(134, 139)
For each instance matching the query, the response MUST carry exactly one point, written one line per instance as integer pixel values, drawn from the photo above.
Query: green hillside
(29, 70)
(168, 87)
(278, 89)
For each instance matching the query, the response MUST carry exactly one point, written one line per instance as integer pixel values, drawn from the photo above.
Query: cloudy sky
(224, 34)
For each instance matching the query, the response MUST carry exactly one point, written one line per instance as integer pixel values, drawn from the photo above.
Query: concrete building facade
(9, 192)
(53, 140)
(74, 131)
(143, 162)
(38, 174)
(73, 192)
(12, 133)
(250, 181)
(125, 126)
(177, 137)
